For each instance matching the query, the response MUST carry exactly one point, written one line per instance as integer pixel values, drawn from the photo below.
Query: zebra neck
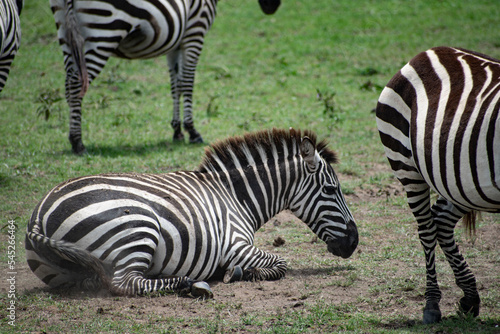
(254, 193)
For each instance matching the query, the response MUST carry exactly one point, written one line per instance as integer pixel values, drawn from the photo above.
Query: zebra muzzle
(345, 246)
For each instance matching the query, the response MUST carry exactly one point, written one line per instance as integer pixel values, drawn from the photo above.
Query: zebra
(10, 35)
(90, 32)
(439, 122)
(135, 234)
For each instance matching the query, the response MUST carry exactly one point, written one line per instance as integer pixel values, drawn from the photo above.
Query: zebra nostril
(345, 246)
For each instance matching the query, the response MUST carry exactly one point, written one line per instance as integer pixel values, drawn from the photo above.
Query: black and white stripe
(10, 35)
(92, 31)
(439, 121)
(127, 231)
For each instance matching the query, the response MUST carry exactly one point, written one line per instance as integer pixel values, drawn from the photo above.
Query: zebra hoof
(233, 275)
(432, 314)
(201, 290)
(178, 138)
(468, 306)
(196, 140)
(78, 147)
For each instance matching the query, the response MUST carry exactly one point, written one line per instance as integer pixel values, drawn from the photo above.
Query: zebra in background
(10, 35)
(438, 119)
(142, 233)
(92, 31)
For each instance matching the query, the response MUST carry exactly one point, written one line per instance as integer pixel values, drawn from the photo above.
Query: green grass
(318, 65)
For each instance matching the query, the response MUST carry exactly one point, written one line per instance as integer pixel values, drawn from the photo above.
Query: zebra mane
(221, 155)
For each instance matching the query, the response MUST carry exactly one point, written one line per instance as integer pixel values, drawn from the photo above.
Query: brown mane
(261, 141)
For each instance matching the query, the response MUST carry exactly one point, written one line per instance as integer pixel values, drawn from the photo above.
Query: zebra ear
(308, 152)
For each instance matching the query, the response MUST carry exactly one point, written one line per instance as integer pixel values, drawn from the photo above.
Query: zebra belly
(470, 185)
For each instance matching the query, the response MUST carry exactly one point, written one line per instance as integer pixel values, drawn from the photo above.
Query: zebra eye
(330, 189)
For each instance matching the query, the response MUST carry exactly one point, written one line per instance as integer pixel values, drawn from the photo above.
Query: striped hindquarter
(10, 36)
(140, 233)
(92, 31)
(438, 119)
(136, 225)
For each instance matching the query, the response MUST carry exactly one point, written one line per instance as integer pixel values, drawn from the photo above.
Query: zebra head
(269, 6)
(318, 200)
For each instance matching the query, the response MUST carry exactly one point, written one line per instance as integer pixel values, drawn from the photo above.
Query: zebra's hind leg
(182, 65)
(194, 136)
(75, 91)
(190, 56)
(252, 264)
(446, 216)
(174, 59)
(132, 283)
(73, 88)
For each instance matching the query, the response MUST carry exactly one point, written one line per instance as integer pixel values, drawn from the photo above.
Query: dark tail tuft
(76, 43)
(68, 251)
(469, 222)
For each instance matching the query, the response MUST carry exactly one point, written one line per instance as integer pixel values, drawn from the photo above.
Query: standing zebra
(92, 31)
(10, 35)
(438, 119)
(141, 233)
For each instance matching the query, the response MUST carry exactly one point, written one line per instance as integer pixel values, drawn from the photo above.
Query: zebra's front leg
(428, 238)
(252, 264)
(446, 215)
(419, 203)
(132, 282)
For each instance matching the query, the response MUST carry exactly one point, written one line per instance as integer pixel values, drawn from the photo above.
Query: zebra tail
(68, 251)
(76, 42)
(469, 222)
(20, 5)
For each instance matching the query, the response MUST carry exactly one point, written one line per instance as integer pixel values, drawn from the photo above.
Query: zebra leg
(130, 282)
(175, 68)
(252, 264)
(418, 195)
(182, 65)
(428, 239)
(191, 55)
(5, 63)
(75, 91)
(446, 216)
(74, 99)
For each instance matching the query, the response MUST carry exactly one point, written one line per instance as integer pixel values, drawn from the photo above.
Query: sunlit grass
(314, 64)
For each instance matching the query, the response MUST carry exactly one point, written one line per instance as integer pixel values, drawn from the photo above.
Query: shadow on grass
(114, 151)
(450, 324)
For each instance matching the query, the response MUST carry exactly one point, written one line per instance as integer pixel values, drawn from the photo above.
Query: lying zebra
(135, 234)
